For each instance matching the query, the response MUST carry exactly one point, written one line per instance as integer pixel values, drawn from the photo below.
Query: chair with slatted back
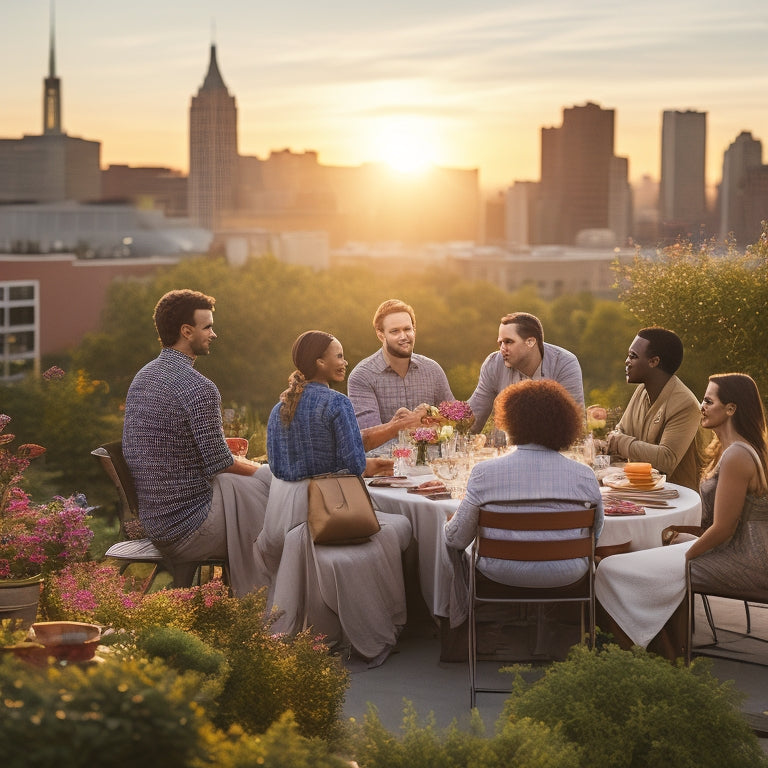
(581, 544)
(135, 547)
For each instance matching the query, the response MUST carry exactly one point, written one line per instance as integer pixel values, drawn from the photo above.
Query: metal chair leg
(710, 620)
(472, 636)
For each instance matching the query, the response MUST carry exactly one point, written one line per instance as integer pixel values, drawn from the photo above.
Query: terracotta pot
(19, 598)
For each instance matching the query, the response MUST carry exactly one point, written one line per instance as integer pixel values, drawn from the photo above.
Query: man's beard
(396, 351)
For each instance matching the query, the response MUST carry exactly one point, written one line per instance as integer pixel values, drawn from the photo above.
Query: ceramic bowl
(65, 632)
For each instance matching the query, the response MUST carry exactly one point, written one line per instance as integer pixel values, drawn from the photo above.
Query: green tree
(263, 305)
(68, 413)
(714, 298)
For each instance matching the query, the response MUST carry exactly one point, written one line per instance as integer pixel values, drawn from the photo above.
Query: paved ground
(415, 673)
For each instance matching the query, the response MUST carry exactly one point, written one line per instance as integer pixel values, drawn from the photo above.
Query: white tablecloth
(428, 518)
(644, 531)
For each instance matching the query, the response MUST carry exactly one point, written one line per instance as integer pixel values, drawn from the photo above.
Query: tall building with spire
(213, 157)
(53, 166)
(52, 88)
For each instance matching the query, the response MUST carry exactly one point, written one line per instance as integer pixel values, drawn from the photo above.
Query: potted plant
(35, 539)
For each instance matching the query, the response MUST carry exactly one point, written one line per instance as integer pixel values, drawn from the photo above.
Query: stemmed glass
(453, 471)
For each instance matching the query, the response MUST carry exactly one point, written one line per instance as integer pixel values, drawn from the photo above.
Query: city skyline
(460, 87)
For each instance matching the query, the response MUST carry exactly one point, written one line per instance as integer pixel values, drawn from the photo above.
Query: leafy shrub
(282, 746)
(267, 674)
(517, 744)
(98, 593)
(132, 712)
(272, 673)
(116, 712)
(632, 709)
(181, 650)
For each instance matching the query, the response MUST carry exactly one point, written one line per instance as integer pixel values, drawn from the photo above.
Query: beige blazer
(666, 433)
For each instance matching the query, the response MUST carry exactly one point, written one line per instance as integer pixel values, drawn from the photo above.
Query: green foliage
(12, 631)
(715, 299)
(130, 711)
(263, 305)
(180, 650)
(271, 674)
(517, 744)
(282, 746)
(116, 712)
(69, 417)
(631, 709)
(265, 674)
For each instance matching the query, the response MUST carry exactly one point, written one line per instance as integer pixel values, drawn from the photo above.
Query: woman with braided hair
(312, 431)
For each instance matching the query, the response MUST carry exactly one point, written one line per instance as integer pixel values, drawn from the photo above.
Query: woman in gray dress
(643, 593)
(733, 547)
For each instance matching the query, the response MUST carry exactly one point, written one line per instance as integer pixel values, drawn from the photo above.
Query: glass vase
(421, 454)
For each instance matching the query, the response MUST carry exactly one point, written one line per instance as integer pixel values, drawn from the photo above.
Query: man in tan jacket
(661, 422)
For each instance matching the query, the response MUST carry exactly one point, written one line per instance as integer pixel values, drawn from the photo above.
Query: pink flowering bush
(100, 594)
(41, 538)
(266, 674)
(36, 538)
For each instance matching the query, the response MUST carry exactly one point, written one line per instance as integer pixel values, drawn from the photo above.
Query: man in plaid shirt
(196, 500)
(394, 381)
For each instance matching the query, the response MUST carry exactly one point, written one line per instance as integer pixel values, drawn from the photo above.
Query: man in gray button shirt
(523, 354)
(388, 388)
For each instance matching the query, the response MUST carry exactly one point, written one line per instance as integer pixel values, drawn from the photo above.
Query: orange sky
(454, 83)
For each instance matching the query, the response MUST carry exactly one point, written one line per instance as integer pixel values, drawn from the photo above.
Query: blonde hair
(389, 307)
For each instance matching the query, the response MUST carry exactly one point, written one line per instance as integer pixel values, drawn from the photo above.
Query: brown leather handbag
(340, 510)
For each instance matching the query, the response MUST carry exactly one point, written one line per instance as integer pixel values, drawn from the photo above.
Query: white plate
(621, 483)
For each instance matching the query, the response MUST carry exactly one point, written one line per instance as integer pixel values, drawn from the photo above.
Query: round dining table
(435, 564)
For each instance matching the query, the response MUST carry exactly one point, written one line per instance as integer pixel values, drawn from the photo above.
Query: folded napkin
(622, 507)
(397, 481)
(429, 489)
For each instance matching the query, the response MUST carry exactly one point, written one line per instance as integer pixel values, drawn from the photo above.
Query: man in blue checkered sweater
(196, 500)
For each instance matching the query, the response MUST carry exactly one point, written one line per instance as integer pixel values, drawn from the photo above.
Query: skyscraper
(579, 177)
(213, 157)
(52, 89)
(682, 195)
(53, 166)
(744, 154)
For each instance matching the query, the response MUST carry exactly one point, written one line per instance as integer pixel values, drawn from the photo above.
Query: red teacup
(238, 445)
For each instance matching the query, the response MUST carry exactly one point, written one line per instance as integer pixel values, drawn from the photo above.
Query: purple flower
(54, 373)
(424, 435)
(455, 410)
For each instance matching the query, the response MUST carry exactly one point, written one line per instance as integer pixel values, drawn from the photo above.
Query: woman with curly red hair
(541, 419)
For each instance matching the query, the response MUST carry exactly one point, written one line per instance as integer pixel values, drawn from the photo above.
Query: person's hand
(243, 466)
(406, 419)
(378, 465)
(425, 416)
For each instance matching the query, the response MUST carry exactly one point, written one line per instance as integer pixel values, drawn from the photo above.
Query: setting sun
(406, 145)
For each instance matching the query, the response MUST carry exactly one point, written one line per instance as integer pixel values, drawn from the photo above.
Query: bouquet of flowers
(455, 413)
(596, 419)
(424, 436)
(600, 421)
